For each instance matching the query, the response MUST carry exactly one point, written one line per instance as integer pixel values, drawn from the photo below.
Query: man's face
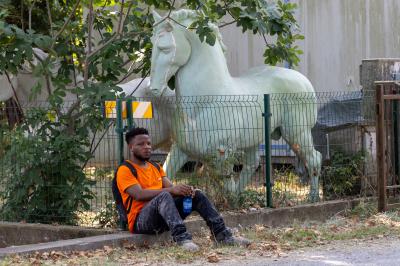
(140, 146)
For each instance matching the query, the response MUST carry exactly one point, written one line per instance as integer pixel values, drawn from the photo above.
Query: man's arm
(166, 183)
(140, 194)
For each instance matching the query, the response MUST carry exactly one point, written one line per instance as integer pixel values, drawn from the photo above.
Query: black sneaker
(235, 241)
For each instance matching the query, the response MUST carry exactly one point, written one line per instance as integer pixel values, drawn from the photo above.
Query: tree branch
(30, 16)
(170, 10)
(121, 14)
(226, 24)
(140, 83)
(118, 33)
(103, 45)
(128, 73)
(89, 44)
(22, 15)
(265, 40)
(66, 22)
(49, 15)
(127, 14)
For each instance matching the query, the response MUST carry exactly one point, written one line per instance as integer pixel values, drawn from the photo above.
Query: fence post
(380, 148)
(267, 147)
(129, 114)
(396, 115)
(396, 137)
(119, 128)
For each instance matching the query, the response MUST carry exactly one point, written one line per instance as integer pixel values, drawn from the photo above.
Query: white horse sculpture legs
(301, 142)
(251, 162)
(175, 160)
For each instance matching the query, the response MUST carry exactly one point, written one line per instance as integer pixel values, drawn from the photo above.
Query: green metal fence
(343, 137)
(217, 143)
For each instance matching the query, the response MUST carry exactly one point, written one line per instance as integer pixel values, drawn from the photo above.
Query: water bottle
(187, 205)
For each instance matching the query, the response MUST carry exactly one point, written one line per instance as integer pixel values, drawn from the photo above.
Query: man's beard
(141, 158)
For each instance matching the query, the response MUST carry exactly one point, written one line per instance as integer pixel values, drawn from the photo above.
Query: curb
(268, 217)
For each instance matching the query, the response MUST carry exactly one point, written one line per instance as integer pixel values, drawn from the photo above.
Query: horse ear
(156, 16)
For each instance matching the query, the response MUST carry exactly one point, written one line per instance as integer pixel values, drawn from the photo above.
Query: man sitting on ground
(157, 205)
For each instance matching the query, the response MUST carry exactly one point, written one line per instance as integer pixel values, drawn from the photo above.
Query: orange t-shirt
(147, 178)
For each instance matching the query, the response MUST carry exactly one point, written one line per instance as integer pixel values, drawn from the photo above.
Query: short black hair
(134, 132)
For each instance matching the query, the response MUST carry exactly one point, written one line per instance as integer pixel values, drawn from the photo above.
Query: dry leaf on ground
(213, 258)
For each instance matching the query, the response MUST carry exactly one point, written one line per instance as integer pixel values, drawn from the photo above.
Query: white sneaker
(189, 245)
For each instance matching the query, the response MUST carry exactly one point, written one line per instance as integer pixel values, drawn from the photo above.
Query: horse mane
(187, 17)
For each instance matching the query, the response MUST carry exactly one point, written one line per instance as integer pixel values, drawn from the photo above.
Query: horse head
(176, 45)
(171, 48)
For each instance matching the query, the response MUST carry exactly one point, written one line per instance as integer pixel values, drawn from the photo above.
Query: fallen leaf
(252, 246)
(334, 228)
(108, 248)
(371, 223)
(269, 246)
(259, 228)
(213, 258)
(130, 247)
(82, 254)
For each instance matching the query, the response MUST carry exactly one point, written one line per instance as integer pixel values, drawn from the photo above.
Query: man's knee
(165, 196)
(199, 194)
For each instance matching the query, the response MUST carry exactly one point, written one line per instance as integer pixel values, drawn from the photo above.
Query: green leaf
(43, 42)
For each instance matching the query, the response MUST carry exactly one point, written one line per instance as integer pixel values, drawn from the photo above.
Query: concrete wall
(338, 35)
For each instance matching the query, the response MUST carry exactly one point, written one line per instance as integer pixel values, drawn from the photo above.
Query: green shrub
(43, 165)
(44, 181)
(342, 177)
(108, 217)
(363, 210)
(252, 198)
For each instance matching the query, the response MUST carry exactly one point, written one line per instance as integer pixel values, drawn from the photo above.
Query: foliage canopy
(92, 45)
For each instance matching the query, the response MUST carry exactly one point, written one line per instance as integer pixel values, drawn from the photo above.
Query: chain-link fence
(341, 135)
(322, 148)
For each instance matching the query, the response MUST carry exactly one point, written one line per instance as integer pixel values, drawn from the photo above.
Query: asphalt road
(382, 251)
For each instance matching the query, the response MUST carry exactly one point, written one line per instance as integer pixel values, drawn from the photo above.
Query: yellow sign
(139, 109)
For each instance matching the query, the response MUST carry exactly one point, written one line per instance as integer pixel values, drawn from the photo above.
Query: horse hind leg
(301, 143)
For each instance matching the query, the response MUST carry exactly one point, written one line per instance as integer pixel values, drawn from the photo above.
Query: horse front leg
(175, 160)
(251, 162)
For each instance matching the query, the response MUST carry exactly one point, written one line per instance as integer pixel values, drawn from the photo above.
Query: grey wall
(338, 35)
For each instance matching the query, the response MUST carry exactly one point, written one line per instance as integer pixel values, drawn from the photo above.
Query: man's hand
(181, 190)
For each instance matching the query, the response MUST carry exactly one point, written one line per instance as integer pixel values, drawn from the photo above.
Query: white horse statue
(201, 69)
(19, 87)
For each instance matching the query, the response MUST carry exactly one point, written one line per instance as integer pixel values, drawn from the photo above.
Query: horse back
(272, 80)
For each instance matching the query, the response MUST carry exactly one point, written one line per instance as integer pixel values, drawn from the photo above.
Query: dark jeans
(165, 212)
